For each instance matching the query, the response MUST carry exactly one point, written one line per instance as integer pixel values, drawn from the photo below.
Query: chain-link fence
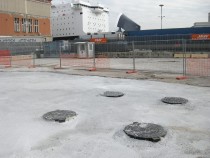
(181, 56)
(21, 48)
(143, 55)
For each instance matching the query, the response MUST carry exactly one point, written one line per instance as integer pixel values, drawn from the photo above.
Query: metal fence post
(94, 58)
(185, 70)
(134, 60)
(60, 54)
(184, 56)
(34, 64)
(10, 60)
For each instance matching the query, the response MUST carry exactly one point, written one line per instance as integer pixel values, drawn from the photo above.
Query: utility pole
(161, 16)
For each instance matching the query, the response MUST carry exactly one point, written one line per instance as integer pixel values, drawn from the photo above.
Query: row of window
(89, 23)
(94, 23)
(28, 25)
(61, 18)
(65, 29)
(60, 34)
(97, 19)
(61, 11)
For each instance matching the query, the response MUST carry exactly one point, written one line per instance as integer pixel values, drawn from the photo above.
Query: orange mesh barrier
(4, 53)
(72, 60)
(22, 60)
(5, 59)
(69, 55)
(198, 67)
(75, 62)
(102, 61)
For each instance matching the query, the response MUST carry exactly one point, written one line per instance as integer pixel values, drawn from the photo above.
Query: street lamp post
(161, 17)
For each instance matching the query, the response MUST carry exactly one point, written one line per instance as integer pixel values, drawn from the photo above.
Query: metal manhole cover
(145, 131)
(59, 115)
(113, 94)
(174, 100)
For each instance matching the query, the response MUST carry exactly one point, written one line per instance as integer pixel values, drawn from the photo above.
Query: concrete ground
(158, 69)
(97, 131)
(171, 65)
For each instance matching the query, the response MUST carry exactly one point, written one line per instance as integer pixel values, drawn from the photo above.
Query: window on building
(30, 24)
(16, 25)
(24, 23)
(36, 26)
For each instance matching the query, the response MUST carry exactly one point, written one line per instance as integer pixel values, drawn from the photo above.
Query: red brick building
(25, 18)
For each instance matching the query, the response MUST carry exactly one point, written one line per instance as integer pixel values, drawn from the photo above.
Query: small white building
(85, 49)
(78, 18)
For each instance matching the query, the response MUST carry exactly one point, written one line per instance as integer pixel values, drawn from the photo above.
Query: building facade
(78, 18)
(25, 18)
(203, 24)
(209, 18)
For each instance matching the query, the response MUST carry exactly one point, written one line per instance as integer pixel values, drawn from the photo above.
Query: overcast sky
(178, 13)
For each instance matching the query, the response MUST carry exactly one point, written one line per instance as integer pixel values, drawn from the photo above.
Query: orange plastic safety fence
(22, 60)
(72, 60)
(5, 59)
(198, 67)
(4, 53)
(102, 61)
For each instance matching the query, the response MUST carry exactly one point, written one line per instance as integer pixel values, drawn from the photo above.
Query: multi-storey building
(78, 18)
(25, 18)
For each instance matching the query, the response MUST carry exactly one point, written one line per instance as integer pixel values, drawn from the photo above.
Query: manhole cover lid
(174, 100)
(113, 94)
(145, 131)
(59, 115)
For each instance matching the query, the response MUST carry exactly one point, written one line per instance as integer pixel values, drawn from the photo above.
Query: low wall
(150, 54)
(193, 55)
(142, 54)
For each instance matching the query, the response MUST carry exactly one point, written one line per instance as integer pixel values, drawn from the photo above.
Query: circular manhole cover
(174, 100)
(59, 115)
(145, 131)
(113, 94)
